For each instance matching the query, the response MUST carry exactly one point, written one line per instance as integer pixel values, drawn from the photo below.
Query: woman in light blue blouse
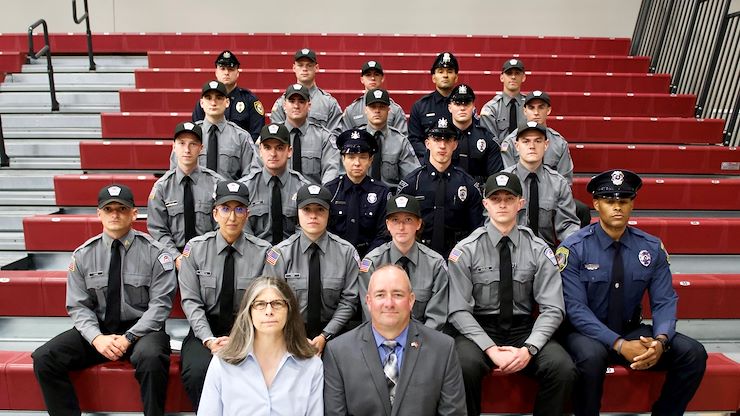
(268, 367)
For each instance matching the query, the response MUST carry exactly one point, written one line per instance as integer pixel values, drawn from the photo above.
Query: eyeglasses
(226, 211)
(276, 305)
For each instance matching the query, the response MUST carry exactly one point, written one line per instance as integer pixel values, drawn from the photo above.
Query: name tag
(203, 273)
(170, 203)
(430, 114)
(95, 274)
(292, 275)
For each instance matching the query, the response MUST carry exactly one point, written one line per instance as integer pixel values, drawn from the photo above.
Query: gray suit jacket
(430, 380)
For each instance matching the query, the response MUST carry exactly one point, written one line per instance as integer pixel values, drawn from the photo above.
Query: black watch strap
(327, 335)
(532, 349)
(131, 337)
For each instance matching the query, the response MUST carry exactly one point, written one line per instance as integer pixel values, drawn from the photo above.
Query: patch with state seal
(259, 108)
(165, 259)
(561, 255)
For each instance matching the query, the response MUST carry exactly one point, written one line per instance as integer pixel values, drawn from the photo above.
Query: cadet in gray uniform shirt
(556, 210)
(320, 267)
(210, 262)
(396, 157)
(169, 211)
(354, 114)
(427, 270)
(496, 276)
(236, 149)
(120, 288)
(496, 114)
(316, 155)
(325, 110)
(557, 156)
(270, 219)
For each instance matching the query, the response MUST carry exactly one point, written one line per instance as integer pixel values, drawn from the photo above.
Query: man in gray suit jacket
(414, 370)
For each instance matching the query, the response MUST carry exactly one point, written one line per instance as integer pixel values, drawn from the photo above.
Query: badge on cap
(227, 55)
(188, 126)
(240, 106)
(114, 191)
(402, 201)
(378, 93)
(617, 177)
(513, 62)
(213, 84)
(537, 93)
(531, 124)
(462, 89)
(305, 51)
(314, 189)
(372, 198)
(462, 193)
(273, 128)
(446, 58)
(355, 135)
(296, 86)
(644, 257)
(502, 180)
(371, 64)
(442, 123)
(481, 145)
(233, 186)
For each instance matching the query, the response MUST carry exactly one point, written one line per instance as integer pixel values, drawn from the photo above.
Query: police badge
(481, 145)
(617, 177)
(240, 106)
(372, 198)
(645, 258)
(462, 193)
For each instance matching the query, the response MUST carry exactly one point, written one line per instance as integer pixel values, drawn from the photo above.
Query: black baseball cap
(226, 58)
(275, 131)
(115, 193)
(531, 125)
(537, 95)
(372, 65)
(297, 89)
(214, 86)
(231, 191)
(377, 95)
(402, 203)
(313, 194)
(506, 181)
(305, 53)
(513, 63)
(189, 127)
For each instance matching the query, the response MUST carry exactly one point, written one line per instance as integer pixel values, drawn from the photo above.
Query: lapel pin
(415, 344)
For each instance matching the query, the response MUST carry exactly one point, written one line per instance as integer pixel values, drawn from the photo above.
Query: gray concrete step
(103, 63)
(11, 256)
(705, 263)
(11, 218)
(69, 102)
(11, 179)
(51, 126)
(33, 163)
(70, 78)
(27, 198)
(12, 240)
(42, 148)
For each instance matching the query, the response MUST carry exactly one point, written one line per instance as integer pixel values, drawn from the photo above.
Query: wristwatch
(327, 335)
(131, 337)
(664, 342)
(532, 349)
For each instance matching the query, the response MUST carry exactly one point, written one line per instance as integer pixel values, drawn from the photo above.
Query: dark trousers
(69, 351)
(685, 362)
(552, 367)
(583, 212)
(195, 359)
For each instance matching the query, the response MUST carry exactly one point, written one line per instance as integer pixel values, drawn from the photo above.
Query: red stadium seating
(679, 193)
(33, 293)
(124, 154)
(369, 43)
(11, 61)
(63, 232)
(646, 158)
(704, 296)
(564, 103)
(82, 190)
(414, 80)
(406, 61)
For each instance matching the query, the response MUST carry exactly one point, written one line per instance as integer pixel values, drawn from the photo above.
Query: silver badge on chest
(462, 193)
(645, 258)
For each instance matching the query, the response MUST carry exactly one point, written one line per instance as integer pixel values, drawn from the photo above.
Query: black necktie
(616, 291)
(113, 296)
(353, 213)
(512, 115)
(226, 299)
(212, 157)
(189, 206)
(377, 157)
(464, 153)
(404, 262)
(314, 292)
(533, 209)
(297, 157)
(438, 226)
(276, 211)
(506, 288)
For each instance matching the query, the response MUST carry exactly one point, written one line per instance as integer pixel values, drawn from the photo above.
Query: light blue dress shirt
(401, 339)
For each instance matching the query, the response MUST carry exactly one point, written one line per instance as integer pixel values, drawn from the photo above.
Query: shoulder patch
(551, 256)
(356, 257)
(561, 255)
(165, 259)
(186, 250)
(153, 193)
(272, 257)
(401, 186)
(667, 256)
(259, 108)
(455, 255)
(72, 265)
(365, 265)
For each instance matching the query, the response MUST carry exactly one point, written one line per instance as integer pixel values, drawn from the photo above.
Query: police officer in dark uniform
(358, 201)
(245, 109)
(450, 199)
(606, 269)
(477, 152)
(120, 288)
(431, 107)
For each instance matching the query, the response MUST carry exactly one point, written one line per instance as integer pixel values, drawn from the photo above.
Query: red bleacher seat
(63, 232)
(11, 61)
(82, 190)
(338, 79)
(564, 103)
(679, 193)
(125, 154)
(646, 158)
(694, 235)
(704, 296)
(407, 61)
(369, 43)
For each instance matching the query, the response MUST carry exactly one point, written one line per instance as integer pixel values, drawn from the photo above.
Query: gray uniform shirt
(237, 153)
(354, 116)
(429, 280)
(557, 155)
(148, 283)
(201, 275)
(557, 216)
(495, 114)
(259, 222)
(166, 210)
(339, 269)
(325, 110)
(319, 154)
(475, 278)
(399, 159)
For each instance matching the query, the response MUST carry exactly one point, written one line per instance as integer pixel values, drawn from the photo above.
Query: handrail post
(4, 159)
(661, 38)
(46, 50)
(676, 78)
(640, 26)
(731, 124)
(86, 18)
(702, 98)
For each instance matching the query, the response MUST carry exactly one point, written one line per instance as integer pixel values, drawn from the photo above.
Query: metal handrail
(4, 159)
(86, 18)
(46, 50)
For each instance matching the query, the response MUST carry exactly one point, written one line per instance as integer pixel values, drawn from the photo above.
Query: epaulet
(526, 230)
(356, 100)
(199, 122)
(510, 169)
(429, 252)
(255, 240)
(212, 173)
(246, 91)
(89, 241)
(338, 239)
(497, 98)
(553, 132)
(323, 129)
(165, 176)
(238, 128)
(149, 239)
(476, 234)
(579, 235)
(395, 130)
(377, 184)
(287, 242)
(207, 236)
(300, 177)
(250, 176)
(333, 182)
